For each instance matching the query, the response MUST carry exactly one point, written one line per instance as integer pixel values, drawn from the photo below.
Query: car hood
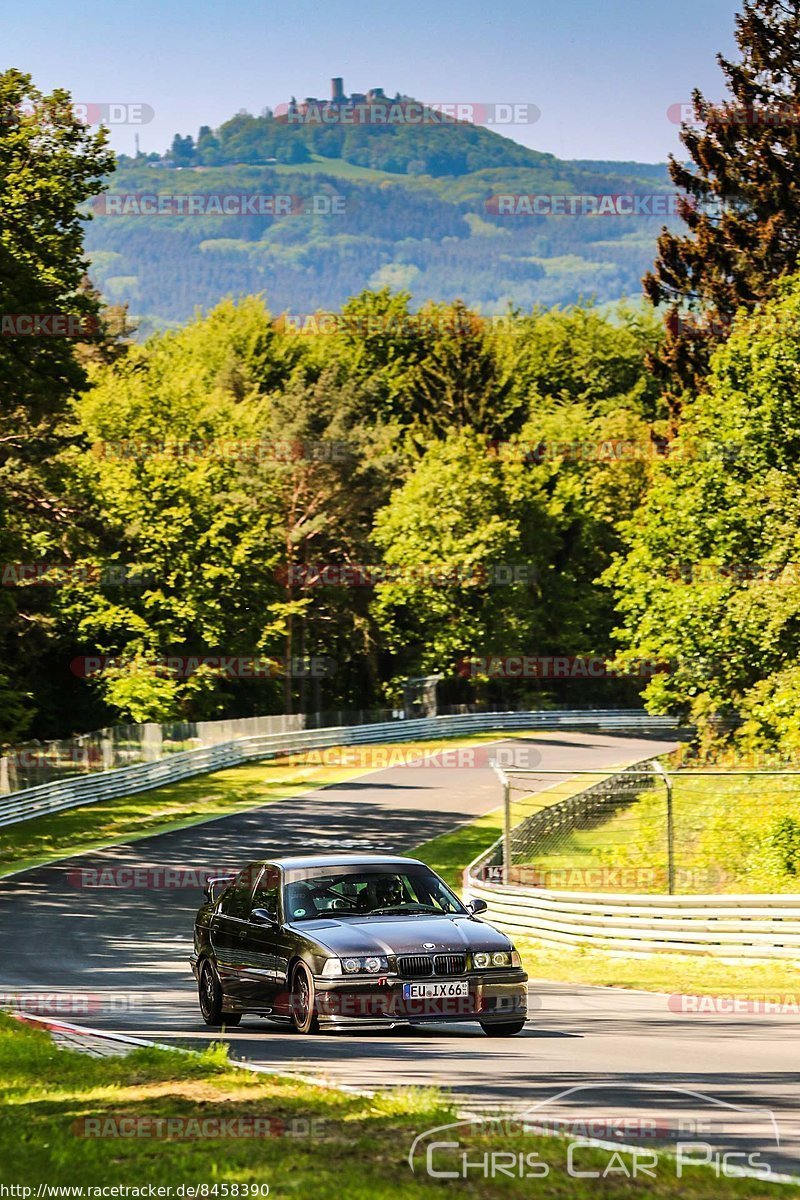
(402, 934)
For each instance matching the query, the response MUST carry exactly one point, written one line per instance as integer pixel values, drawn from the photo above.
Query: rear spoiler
(216, 886)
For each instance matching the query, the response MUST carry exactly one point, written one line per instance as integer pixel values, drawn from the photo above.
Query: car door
(228, 931)
(259, 974)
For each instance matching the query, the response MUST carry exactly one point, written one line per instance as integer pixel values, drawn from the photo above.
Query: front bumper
(496, 996)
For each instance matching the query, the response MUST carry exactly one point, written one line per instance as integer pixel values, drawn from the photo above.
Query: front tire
(502, 1028)
(210, 995)
(303, 1001)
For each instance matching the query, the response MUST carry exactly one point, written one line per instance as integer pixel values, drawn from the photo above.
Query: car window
(235, 900)
(267, 890)
(354, 891)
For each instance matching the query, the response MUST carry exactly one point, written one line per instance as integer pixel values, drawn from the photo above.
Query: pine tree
(742, 194)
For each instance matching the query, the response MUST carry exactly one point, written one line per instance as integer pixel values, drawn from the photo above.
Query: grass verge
(686, 974)
(192, 801)
(63, 1113)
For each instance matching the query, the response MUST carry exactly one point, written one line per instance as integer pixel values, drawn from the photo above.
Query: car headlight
(368, 964)
(496, 958)
(371, 963)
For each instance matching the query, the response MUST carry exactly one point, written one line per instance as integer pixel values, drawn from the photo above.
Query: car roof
(340, 860)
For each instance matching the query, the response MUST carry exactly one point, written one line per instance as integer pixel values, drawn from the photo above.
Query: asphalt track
(622, 1066)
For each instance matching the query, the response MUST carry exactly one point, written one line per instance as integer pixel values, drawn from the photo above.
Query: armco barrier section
(748, 926)
(124, 781)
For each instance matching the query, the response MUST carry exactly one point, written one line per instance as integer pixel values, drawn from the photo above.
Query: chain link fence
(652, 830)
(35, 763)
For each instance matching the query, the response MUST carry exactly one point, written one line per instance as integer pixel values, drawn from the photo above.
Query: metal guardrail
(124, 781)
(742, 926)
(34, 763)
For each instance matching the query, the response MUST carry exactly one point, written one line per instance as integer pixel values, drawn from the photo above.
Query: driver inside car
(384, 892)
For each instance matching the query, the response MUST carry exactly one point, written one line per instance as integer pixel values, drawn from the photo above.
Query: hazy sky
(602, 72)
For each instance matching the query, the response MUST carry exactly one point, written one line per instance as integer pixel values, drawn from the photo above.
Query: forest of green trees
(395, 490)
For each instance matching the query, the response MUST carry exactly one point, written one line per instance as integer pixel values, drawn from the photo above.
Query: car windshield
(366, 891)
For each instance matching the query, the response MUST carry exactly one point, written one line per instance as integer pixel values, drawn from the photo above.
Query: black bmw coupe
(342, 941)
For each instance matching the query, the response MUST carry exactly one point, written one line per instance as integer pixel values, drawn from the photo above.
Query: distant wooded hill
(409, 206)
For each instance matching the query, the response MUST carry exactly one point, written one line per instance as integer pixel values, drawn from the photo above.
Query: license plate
(427, 991)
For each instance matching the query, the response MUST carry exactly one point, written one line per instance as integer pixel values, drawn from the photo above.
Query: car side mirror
(476, 906)
(260, 916)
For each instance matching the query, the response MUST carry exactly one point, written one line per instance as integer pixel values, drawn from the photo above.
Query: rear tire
(210, 994)
(303, 1001)
(502, 1028)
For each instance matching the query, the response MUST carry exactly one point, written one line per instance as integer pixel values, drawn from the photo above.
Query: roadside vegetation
(774, 982)
(311, 1140)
